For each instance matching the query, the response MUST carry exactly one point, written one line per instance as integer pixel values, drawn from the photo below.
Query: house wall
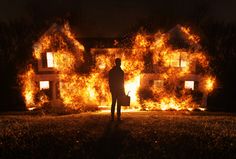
(49, 74)
(148, 81)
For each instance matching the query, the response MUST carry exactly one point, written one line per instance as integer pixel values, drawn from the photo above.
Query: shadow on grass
(111, 144)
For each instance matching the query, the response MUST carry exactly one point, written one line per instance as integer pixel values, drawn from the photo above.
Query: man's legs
(118, 107)
(113, 105)
(118, 110)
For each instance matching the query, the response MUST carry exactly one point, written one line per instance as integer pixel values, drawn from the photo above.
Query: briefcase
(125, 100)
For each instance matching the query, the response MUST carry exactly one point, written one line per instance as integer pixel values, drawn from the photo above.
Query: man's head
(118, 62)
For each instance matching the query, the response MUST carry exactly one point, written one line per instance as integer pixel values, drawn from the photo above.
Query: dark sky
(112, 17)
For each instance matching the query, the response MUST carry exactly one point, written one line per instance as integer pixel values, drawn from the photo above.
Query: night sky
(110, 18)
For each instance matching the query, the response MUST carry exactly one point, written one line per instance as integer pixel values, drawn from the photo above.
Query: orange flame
(29, 88)
(79, 90)
(210, 83)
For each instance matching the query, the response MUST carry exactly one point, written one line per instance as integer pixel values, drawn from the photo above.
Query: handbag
(125, 100)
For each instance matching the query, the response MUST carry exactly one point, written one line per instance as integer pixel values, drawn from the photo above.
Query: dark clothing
(115, 98)
(116, 84)
(116, 80)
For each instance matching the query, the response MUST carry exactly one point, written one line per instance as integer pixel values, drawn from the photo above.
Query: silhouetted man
(116, 84)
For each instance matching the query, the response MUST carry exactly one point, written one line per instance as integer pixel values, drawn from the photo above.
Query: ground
(158, 134)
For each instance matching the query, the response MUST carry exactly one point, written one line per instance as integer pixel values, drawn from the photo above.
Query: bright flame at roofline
(150, 57)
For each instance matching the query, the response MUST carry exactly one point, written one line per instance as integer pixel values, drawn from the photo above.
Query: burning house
(162, 71)
(178, 72)
(56, 53)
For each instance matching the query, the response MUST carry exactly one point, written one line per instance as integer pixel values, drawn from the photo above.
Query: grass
(159, 134)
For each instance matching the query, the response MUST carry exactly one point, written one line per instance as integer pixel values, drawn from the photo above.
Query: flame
(148, 55)
(192, 37)
(131, 88)
(29, 88)
(210, 84)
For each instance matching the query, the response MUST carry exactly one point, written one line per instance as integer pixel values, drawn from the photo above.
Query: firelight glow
(50, 59)
(79, 90)
(43, 85)
(210, 82)
(189, 85)
(131, 88)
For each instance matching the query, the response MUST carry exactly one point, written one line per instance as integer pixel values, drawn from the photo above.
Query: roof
(179, 38)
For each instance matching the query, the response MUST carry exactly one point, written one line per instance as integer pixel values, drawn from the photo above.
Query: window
(183, 59)
(43, 85)
(189, 85)
(150, 82)
(176, 59)
(44, 60)
(50, 62)
(158, 83)
(183, 63)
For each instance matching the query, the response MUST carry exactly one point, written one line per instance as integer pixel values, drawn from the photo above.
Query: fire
(210, 84)
(191, 37)
(29, 88)
(150, 57)
(141, 41)
(131, 88)
(170, 103)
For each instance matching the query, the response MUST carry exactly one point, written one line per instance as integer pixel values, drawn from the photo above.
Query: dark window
(151, 82)
(44, 60)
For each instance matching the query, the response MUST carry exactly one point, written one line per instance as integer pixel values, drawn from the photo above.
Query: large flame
(30, 91)
(79, 90)
(210, 83)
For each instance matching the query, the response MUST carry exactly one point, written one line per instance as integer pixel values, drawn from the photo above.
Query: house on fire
(182, 56)
(57, 38)
(192, 82)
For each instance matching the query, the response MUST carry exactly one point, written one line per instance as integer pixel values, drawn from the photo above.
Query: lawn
(157, 134)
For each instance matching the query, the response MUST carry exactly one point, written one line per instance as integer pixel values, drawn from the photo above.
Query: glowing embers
(44, 85)
(50, 61)
(189, 85)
